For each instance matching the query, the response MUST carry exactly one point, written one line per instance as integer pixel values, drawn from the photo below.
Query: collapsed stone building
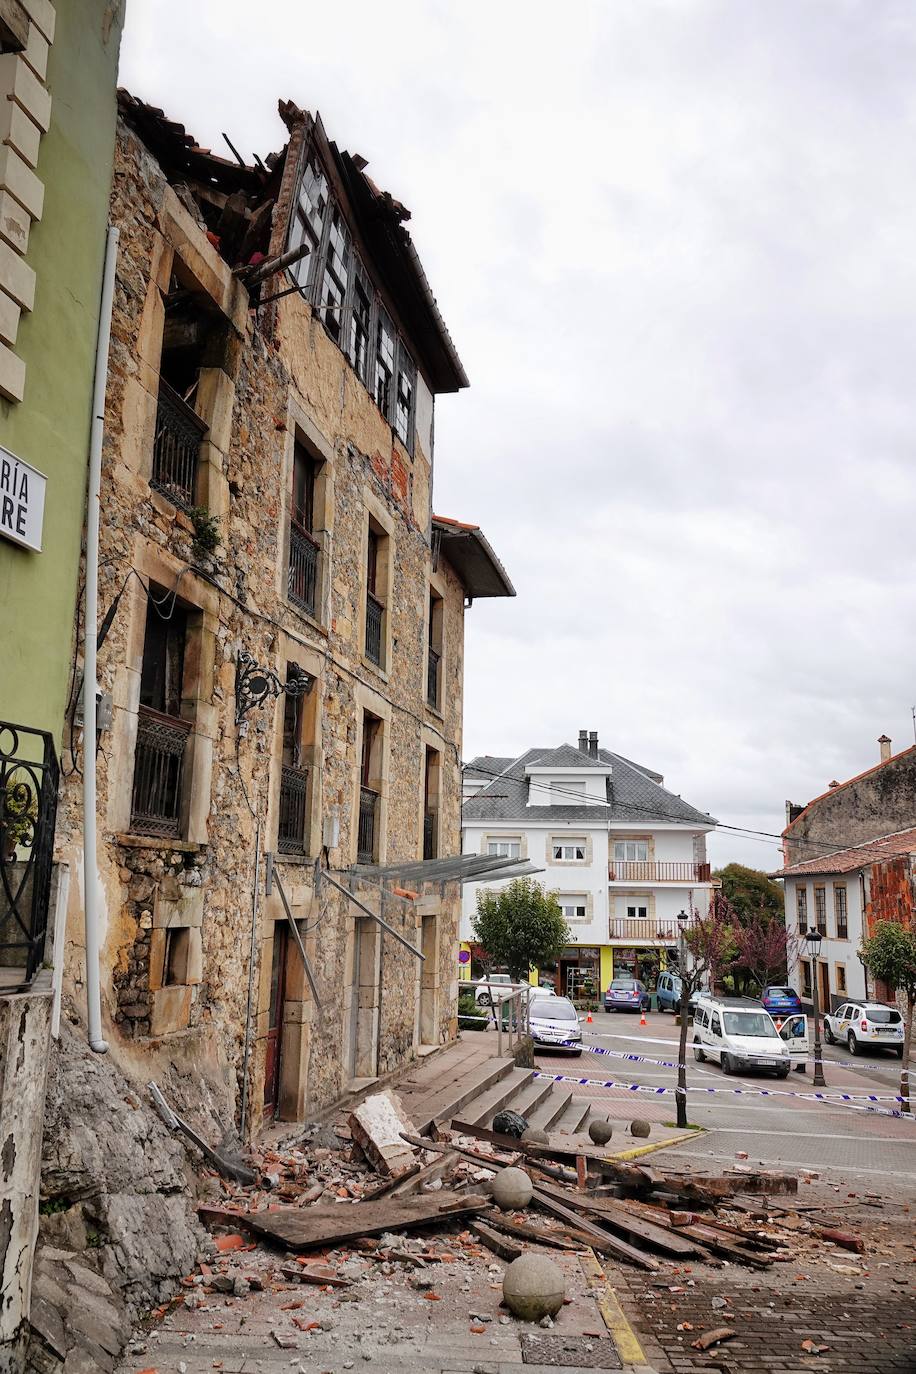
(281, 637)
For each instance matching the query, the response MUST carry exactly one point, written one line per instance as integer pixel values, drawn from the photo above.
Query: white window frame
(574, 902)
(631, 858)
(633, 909)
(512, 842)
(574, 843)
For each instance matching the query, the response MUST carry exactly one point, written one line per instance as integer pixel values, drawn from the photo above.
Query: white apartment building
(623, 854)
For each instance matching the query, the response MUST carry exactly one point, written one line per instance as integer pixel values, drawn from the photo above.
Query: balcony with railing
(375, 612)
(291, 826)
(176, 448)
(652, 871)
(366, 847)
(28, 807)
(652, 930)
(430, 835)
(303, 568)
(433, 659)
(158, 767)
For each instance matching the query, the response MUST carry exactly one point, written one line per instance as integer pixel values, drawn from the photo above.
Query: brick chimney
(593, 744)
(583, 741)
(884, 744)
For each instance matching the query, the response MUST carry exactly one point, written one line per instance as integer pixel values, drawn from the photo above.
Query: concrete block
(9, 319)
(15, 223)
(12, 375)
(20, 83)
(19, 131)
(17, 278)
(42, 13)
(21, 182)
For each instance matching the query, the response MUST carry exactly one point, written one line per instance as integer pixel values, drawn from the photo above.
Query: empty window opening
(175, 957)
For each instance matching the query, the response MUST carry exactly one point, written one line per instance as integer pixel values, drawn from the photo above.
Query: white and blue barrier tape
(843, 1100)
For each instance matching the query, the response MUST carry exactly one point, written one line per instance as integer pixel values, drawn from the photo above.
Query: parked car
(865, 1023)
(627, 994)
(738, 1033)
(483, 995)
(554, 1022)
(668, 994)
(781, 1000)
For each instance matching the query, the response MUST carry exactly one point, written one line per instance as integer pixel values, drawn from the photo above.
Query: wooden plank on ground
(441, 1167)
(537, 1236)
(721, 1245)
(501, 1245)
(315, 1227)
(615, 1215)
(601, 1239)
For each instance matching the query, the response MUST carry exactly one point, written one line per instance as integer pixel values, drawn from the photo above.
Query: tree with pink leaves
(765, 948)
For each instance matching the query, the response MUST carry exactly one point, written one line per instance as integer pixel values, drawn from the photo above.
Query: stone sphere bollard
(535, 1136)
(533, 1287)
(512, 1189)
(639, 1128)
(600, 1131)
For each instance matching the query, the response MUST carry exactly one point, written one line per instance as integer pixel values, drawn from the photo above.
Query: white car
(501, 985)
(553, 1023)
(738, 1033)
(865, 1023)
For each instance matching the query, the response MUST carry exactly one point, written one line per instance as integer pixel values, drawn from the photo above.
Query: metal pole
(326, 877)
(251, 964)
(819, 1081)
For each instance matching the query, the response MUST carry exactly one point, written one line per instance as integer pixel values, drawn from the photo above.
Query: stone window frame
(289, 652)
(431, 743)
(375, 515)
(635, 838)
(171, 1003)
(619, 913)
(156, 565)
(570, 838)
(366, 700)
(494, 837)
(434, 635)
(589, 907)
(301, 429)
(181, 248)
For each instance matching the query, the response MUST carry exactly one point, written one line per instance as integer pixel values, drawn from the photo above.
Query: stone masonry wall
(880, 802)
(204, 882)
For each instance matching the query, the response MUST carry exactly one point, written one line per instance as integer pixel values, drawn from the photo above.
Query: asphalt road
(778, 1130)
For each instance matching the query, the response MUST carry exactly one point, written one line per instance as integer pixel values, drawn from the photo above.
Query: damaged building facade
(282, 622)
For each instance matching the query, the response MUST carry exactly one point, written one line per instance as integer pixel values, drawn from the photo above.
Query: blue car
(780, 1000)
(626, 994)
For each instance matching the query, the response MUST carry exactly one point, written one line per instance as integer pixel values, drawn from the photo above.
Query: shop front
(578, 974)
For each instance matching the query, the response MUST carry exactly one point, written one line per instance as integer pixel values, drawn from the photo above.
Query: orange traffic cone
(642, 1017)
(588, 1018)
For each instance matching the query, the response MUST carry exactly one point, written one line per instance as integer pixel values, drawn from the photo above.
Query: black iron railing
(368, 813)
(430, 834)
(303, 568)
(294, 787)
(28, 808)
(158, 767)
(176, 448)
(433, 659)
(374, 613)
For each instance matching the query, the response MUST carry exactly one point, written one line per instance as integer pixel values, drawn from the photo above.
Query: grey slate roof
(485, 765)
(566, 757)
(633, 796)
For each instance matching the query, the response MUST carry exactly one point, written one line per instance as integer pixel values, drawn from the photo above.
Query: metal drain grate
(570, 1352)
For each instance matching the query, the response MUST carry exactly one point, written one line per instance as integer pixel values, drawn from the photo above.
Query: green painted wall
(49, 428)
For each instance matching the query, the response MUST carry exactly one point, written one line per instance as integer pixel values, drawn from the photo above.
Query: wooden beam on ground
(601, 1239)
(318, 1227)
(501, 1246)
(615, 1215)
(537, 1236)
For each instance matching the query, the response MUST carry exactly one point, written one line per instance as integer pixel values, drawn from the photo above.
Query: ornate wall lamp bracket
(254, 684)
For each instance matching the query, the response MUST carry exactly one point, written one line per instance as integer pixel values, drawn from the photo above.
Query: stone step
(444, 1099)
(482, 1109)
(576, 1116)
(526, 1101)
(548, 1113)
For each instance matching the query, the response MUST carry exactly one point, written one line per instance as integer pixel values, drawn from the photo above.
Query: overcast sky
(674, 243)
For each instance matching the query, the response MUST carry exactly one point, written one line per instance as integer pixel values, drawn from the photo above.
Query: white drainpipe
(91, 622)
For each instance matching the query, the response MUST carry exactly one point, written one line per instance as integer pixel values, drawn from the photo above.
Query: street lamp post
(813, 938)
(680, 1096)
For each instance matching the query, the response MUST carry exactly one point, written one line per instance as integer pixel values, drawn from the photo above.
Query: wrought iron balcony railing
(158, 767)
(433, 659)
(28, 808)
(430, 835)
(651, 931)
(176, 448)
(303, 568)
(294, 786)
(375, 612)
(366, 850)
(649, 871)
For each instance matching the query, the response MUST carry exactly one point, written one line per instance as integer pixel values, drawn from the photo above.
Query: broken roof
(851, 860)
(378, 218)
(470, 554)
(838, 787)
(633, 797)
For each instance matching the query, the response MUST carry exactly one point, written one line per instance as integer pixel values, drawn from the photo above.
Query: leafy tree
(751, 893)
(521, 926)
(765, 949)
(710, 945)
(890, 954)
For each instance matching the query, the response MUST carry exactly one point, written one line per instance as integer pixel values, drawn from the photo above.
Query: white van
(738, 1033)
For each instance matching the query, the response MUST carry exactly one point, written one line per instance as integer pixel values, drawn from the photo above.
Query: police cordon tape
(847, 1101)
(669, 1064)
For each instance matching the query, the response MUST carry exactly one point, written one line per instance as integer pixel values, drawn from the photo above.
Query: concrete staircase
(466, 1083)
